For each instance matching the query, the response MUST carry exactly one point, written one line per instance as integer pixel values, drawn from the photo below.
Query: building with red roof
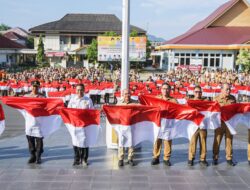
(212, 43)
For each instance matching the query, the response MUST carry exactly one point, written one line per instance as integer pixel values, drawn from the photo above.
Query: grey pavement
(57, 172)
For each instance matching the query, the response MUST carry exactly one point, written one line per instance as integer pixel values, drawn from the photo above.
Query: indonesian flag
(211, 111)
(2, 120)
(176, 120)
(83, 125)
(235, 115)
(40, 114)
(134, 123)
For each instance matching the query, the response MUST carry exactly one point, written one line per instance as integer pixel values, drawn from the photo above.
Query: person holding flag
(126, 100)
(165, 95)
(201, 133)
(80, 101)
(35, 143)
(225, 98)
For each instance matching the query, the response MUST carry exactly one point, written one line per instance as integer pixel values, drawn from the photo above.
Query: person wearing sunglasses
(200, 134)
(225, 98)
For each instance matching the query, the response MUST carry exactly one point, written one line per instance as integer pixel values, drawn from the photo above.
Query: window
(182, 61)
(193, 54)
(177, 54)
(188, 54)
(200, 54)
(74, 39)
(212, 62)
(212, 55)
(183, 54)
(206, 55)
(205, 62)
(64, 40)
(187, 61)
(217, 62)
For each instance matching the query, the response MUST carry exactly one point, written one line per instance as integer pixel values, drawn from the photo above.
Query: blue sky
(162, 18)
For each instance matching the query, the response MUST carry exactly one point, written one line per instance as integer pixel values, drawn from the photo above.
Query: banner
(110, 48)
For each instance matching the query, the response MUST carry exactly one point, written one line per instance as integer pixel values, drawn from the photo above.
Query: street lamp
(125, 44)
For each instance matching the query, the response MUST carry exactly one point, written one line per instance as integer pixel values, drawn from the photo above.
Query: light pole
(125, 44)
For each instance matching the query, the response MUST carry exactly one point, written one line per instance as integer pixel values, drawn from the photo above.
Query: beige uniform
(121, 150)
(202, 135)
(167, 143)
(219, 132)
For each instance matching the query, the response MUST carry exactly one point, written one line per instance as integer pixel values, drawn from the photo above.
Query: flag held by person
(83, 125)
(2, 120)
(40, 114)
(176, 120)
(134, 123)
(211, 111)
(235, 115)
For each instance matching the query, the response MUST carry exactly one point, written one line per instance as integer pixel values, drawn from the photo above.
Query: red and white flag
(235, 115)
(40, 114)
(134, 123)
(176, 120)
(2, 120)
(211, 111)
(83, 125)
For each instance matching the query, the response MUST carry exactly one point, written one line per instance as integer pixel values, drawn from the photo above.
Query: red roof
(202, 33)
(217, 36)
(13, 36)
(6, 43)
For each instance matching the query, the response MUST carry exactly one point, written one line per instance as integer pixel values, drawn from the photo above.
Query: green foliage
(148, 49)
(110, 33)
(92, 51)
(243, 59)
(4, 27)
(30, 42)
(40, 52)
(133, 33)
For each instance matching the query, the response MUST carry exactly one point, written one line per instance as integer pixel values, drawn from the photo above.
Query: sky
(162, 18)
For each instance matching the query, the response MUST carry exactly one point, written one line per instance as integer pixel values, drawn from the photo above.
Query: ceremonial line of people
(80, 107)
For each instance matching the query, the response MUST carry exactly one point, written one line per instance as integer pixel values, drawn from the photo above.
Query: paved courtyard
(57, 172)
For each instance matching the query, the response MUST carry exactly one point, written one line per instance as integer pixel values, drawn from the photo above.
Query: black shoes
(190, 162)
(32, 159)
(215, 162)
(131, 162)
(203, 163)
(231, 163)
(167, 162)
(155, 161)
(120, 163)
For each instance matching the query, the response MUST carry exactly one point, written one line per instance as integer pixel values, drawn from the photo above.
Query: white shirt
(80, 103)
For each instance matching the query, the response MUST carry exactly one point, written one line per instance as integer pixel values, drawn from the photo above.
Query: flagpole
(125, 44)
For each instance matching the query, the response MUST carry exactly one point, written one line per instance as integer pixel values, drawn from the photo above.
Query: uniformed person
(165, 95)
(80, 101)
(35, 143)
(200, 134)
(225, 98)
(126, 100)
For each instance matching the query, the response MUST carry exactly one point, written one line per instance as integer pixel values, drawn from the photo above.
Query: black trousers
(81, 154)
(35, 145)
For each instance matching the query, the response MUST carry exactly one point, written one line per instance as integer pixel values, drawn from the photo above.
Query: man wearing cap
(225, 98)
(80, 101)
(35, 143)
(165, 95)
(200, 134)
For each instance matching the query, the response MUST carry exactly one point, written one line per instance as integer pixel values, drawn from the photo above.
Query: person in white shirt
(79, 101)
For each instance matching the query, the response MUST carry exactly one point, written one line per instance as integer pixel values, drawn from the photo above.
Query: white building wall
(52, 43)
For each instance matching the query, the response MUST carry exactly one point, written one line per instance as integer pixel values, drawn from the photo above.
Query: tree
(134, 33)
(243, 59)
(110, 33)
(92, 51)
(40, 52)
(30, 42)
(4, 27)
(148, 49)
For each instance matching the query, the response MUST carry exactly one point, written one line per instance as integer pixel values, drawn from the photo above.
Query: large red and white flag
(176, 120)
(83, 125)
(235, 115)
(134, 123)
(211, 111)
(40, 114)
(2, 120)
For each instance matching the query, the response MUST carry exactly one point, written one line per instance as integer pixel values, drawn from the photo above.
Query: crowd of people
(170, 86)
(104, 87)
